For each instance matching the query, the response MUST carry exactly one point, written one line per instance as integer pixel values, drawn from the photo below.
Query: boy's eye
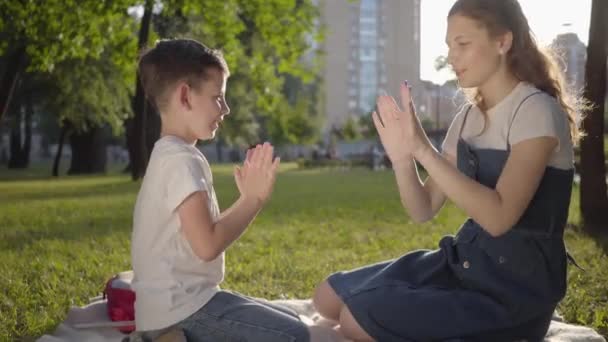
(463, 43)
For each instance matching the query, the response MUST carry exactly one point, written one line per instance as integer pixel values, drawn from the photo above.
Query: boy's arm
(208, 240)
(255, 181)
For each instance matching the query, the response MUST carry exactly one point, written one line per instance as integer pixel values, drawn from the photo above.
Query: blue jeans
(230, 316)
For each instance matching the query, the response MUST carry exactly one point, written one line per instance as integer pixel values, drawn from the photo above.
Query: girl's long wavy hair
(525, 59)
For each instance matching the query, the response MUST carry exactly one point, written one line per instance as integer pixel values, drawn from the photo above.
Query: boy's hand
(255, 179)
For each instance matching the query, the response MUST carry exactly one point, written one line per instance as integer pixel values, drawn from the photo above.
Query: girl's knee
(350, 328)
(326, 301)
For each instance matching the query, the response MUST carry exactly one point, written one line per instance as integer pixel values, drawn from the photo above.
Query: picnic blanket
(90, 323)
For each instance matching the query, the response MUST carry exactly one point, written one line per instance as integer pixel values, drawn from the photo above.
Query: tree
(174, 18)
(263, 42)
(74, 52)
(351, 130)
(20, 140)
(296, 123)
(36, 36)
(368, 129)
(270, 78)
(136, 127)
(85, 97)
(593, 198)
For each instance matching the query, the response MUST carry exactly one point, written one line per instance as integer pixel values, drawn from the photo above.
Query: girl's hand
(400, 131)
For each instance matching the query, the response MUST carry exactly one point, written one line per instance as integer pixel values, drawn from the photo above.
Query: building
(439, 103)
(573, 57)
(370, 47)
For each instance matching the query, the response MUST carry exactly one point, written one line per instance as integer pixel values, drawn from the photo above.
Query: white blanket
(94, 316)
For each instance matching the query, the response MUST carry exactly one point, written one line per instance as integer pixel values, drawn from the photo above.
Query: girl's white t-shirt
(539, 115)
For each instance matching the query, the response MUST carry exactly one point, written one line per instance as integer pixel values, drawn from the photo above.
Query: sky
(546, 18)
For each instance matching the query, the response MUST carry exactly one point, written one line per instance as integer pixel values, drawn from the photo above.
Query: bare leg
(350, 328)
(327, 302)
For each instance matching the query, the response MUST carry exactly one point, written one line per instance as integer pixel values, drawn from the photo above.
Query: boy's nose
(225, 109)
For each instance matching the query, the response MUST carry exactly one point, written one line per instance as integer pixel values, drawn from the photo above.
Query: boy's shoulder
(169, 146)
(169, 152)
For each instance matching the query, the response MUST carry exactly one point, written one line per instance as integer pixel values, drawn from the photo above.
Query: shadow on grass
(598, 234)
(74, 192)
(81, 229)
(601, 239)
(43, 171)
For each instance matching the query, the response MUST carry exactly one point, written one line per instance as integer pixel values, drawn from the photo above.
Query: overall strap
(464, 120)
(515, 114)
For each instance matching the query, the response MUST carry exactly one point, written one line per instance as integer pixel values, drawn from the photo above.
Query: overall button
(466, 264)
(502, 259)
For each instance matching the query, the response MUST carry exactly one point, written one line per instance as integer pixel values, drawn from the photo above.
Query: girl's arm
(496, 210)
(422, 200)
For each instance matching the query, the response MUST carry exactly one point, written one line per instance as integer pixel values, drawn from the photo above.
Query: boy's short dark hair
(172, 60)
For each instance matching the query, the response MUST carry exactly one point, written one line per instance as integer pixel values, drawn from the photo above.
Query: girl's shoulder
(530, 97)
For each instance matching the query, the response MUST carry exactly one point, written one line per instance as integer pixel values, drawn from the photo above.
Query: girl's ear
(505, 42)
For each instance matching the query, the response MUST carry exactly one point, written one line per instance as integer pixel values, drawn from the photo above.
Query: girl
(507, 161)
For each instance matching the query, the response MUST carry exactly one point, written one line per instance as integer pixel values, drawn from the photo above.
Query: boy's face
(207, 106)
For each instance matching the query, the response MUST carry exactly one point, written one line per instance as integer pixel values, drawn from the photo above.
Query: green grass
(61, 239)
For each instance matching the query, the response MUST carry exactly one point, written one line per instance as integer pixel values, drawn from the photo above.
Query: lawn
(61, 239)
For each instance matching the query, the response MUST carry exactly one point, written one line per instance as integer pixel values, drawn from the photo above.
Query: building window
(368, 55)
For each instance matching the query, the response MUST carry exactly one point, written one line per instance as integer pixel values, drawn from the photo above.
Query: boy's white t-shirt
(171, 282)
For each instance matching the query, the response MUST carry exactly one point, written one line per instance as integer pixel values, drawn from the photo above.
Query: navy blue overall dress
(475, 287)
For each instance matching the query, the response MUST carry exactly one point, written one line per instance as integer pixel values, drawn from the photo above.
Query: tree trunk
(14, 65)
(136, 127)
(14, 161)
(593, 197)
(88, 152)
(27, 144)
(138, 153)
(152, 128)
(19, 144)
(57, 161)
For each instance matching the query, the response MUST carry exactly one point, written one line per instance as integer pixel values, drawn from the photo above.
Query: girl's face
(474, 56)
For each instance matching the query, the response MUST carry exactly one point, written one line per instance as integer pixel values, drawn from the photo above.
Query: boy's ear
(184, 95)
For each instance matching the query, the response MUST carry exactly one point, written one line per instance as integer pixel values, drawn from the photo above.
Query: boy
(179, 235)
